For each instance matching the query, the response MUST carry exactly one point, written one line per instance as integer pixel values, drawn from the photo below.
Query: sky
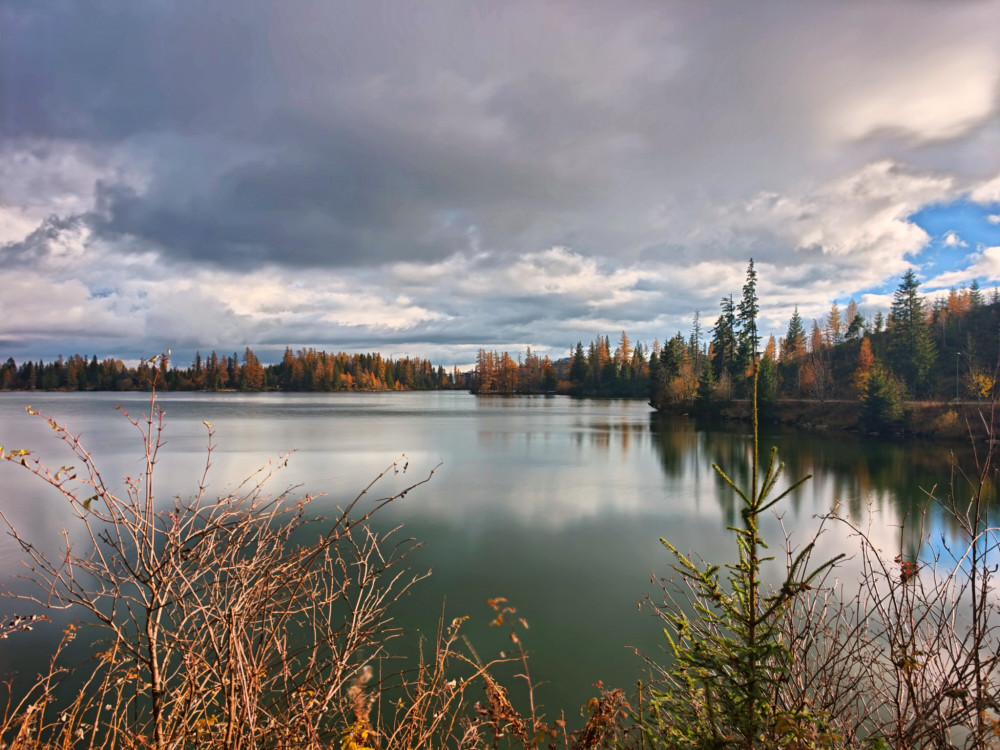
(428, 178)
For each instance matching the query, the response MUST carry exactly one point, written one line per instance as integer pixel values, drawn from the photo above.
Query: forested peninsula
(918, 369)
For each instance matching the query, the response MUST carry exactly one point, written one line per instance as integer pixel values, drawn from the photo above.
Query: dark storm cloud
(322, 198)
(107, 70)
(363, 139)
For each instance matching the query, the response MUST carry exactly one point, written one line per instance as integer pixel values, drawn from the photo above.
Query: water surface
(556, 504)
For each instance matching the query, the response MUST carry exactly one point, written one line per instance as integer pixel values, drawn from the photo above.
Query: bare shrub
(906, 655)
(236, 621)
(242, 621)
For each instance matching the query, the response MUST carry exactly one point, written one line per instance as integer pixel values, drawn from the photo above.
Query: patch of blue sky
(958, 232)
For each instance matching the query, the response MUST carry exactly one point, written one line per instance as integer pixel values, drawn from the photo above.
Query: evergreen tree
(746, 318)
(549, 379)
(657, 378)
(795, 339)
(882, 400)
(724, 340)
(578, 367)
(694, 343)
(856, 328)
(911, 348)
(706, 387)
(975, 295)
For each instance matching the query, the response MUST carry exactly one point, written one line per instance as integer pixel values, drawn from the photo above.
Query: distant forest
(942, 349)
(304, 370)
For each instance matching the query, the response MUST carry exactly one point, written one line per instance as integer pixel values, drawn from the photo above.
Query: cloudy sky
(426, 178)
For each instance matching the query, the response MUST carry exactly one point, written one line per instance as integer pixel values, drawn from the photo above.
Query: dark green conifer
(911, 348)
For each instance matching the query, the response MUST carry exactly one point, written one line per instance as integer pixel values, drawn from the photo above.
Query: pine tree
(795, 339)
(911, 349)
(724, 340)
(746, 318)
(975, 295)
(729, 654)
(578, 366)
(694, 342)
(882, 400)
(706, 387)
(855, 328)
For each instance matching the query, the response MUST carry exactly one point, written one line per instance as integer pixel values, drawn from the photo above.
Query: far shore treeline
(937, 350)
(304, 370)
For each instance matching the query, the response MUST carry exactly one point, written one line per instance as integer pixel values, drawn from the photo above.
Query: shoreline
(922, 420)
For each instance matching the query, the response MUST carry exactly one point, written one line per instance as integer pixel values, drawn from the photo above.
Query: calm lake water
(556, 504)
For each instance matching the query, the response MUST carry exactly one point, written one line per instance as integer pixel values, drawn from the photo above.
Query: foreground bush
(219, 626)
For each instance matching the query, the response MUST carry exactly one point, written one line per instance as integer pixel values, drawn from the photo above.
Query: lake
(555, 503)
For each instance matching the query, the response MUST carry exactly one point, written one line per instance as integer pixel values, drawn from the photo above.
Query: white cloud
(985, 265)
(987, 192)
(951, 239)
(993, 218)
(851, 233)
(35, 306)
(941, 94)
(865, 212)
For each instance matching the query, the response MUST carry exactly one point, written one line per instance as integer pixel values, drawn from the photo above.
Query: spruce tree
(911, 348)
(856, 328)
(746, 319)
(578, 367)
(694, 342)
(795, 339)
(975, 295)
(724, 340)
